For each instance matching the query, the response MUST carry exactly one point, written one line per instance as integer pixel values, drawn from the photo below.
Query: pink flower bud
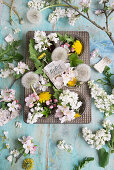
(55, 105)
(31, 105)
(37, 97)
(50, 100)
(72, 49)
(47, 102)
(17, 101)
(67, 45)
(62, 46)
(55, 100)
(51, 107)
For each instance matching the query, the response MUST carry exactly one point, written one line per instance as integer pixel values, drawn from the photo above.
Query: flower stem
(12, 83)
(93, 22)
(19, 156)
(56, 5)
(11, 22)
(33, 89)
(5, 3)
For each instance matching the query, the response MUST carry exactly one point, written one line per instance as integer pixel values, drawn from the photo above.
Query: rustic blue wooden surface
(46, 136)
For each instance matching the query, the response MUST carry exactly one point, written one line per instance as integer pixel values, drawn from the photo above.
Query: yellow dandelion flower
(77, 115)
(28, 164)
(41, 56)
(77, 46)
(44, 96)
(72, 83)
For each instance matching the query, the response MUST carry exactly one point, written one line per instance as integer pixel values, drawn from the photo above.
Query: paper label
(54, 71)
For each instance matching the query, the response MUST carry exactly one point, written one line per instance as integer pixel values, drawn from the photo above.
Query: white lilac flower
(98, 139)
(34, 114)
(103, 101)
(85, 3)
(84, 72)
(53, 37)
(18, 124)
(15, 153)
(34, 16)
(41, 40)
(59, 53)
(10, 158)
(107, 125)
(61, 144)
(29, 79)
(37, 4)
(7, 146)
(21, 68)
(7, 95)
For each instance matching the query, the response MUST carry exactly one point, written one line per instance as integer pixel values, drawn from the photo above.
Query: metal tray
(83, 89)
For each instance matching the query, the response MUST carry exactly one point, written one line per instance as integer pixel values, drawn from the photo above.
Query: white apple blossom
(7, 146)
(61, 13)
(7, 71)
(7, 95)
(18, 124)
(85, 3)
(34, 114)
(10, 158)
(21, 68)
(14, 153)
(13, 107)
(62, 145)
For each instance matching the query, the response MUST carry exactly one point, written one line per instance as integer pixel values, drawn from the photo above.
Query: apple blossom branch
(106, 28)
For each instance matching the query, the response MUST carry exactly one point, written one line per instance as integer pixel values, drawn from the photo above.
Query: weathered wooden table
(46, 136)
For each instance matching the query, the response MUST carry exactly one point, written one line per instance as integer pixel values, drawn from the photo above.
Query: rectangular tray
(83, 89)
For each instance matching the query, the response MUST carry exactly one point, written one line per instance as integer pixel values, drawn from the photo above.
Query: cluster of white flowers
(70, 105)
(62, 145)
(43, 41)
(85, 3)
(21, 68)
(41, 84)
(34, 114)
(18, 125)
(13, 154)
(11, 69)
(12, 107)
(37, 4)
(61, 13)
(70, 98)
(98, 139)
(7, 72)
(103, 101)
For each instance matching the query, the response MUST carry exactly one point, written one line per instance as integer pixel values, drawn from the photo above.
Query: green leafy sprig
(107, 79)
(65, 38)
(83, 163)
(10, 53)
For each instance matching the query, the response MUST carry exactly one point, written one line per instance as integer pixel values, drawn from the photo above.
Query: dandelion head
(77, 47)
(28, 164)
(84, 72)
(59, 53)
(29, 79)
(34, 16)
(44, 96)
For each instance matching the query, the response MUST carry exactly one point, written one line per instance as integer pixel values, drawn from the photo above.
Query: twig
(110, 12)
(11, 11)
(20, 19)
(12, 83)
(94, 23)
(106, 16)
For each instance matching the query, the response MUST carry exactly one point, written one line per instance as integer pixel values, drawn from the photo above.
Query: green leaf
(74, 60)
(57, 93)
(39, 70)
(9, 53)
(83, 163)
(46, 112)
(103, 157)
(65, 38)
(3, 105)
